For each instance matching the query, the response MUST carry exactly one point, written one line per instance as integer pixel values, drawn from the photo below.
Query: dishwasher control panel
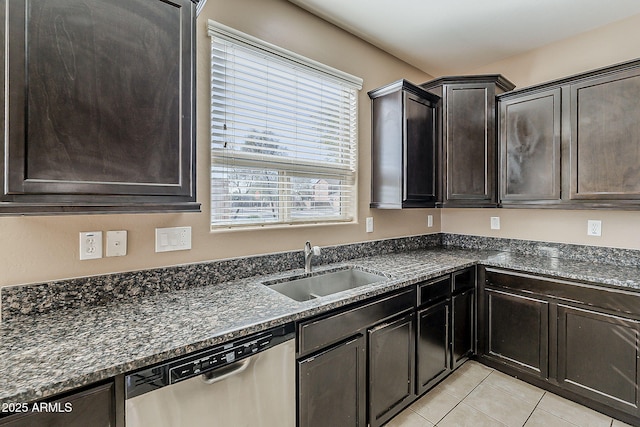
(194, 364)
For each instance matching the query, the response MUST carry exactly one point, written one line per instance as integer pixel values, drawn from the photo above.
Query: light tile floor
(478, 396)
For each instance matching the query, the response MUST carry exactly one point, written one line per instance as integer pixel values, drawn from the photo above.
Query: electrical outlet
(429, 220)
(90, 245)
(495, 223)
(594, 227)
(369, 224)
(173, 239)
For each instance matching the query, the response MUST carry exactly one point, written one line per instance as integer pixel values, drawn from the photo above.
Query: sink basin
(324, 283)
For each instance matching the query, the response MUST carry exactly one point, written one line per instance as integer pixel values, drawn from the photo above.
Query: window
(283, 135)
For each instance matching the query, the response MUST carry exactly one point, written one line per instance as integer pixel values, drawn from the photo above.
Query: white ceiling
(448, 37)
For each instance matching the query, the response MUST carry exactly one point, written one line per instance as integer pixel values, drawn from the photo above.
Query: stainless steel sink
(321, 284)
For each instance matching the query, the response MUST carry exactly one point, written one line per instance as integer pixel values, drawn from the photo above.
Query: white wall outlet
(429, 220)
(495, 223)
(173, 239)
(116, 243)
(594, 227)
(90, 245)
(369, 224)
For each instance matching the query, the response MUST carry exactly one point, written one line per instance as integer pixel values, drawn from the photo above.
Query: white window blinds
(283, 135)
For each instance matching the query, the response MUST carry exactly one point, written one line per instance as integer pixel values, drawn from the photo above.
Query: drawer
(318, 333)
(434, 290)
(608, 298)
(464, 280)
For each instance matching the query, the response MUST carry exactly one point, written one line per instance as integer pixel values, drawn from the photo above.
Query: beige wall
(608, 45)
(34, 249)
(620, 229)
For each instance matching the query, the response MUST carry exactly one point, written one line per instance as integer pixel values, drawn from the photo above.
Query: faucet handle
(316, 250)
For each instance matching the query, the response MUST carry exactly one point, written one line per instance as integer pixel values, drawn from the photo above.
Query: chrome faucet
(309, 252)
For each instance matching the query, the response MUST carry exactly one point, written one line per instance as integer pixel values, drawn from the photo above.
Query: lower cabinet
(599, 356)
(391, 368)
(463, 326)
(432, 363)
(332, 386)
(362, 365)
(93, 407)
(578, 340)
(356, 365)
(516, 330)
(446, 326)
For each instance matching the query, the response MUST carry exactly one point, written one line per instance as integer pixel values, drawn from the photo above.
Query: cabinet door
(331, 386)
(470, 142)
(99, 105)
(605, 137)
(387, 151)
(530, 147)
(391, 368)
(419, 152)
(93, 407)
(599, 357)
(432, 346)
(463, 327)
(516, 331)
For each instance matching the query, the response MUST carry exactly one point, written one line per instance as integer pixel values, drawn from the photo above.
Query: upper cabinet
(530, 147)
(574, 142)
(467, 141)
(605, 137)
(403, 150)
(98, 106)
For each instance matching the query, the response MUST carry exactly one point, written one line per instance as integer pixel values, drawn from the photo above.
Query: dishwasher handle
(226, 372)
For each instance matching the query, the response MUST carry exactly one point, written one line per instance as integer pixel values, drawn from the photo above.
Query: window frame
(286, 175)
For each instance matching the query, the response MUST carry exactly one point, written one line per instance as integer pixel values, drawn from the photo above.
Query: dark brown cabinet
(516, 331)
(599, 356)
(446, 326)
(356, 365)
(573, 143)
(530, 147)
(463, 313)
(92, 407)
(332, 386)
(575, 339)
(605, 137)
(99, 105)
(403, 151)
(432, 345)
(462, 327)
(391, 349)
(467, 138)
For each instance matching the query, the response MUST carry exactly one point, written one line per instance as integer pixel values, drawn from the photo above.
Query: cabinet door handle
(226, 372)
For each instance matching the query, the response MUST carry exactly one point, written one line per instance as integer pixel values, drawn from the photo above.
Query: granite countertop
(43, 355)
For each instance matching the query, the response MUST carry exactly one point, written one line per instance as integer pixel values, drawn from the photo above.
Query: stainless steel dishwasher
(248, 382)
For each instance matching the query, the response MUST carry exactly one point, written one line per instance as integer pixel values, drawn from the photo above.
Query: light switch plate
(429, 220)
(369, 224)
(495, 223)
(116, 243)
(173, 239)
(90, 245)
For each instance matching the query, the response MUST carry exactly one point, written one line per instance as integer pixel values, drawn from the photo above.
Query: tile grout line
(467, 395)
(459, 401)
(488, 385)
(534, 409)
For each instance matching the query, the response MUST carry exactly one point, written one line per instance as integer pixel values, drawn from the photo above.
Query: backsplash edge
(40, 298)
